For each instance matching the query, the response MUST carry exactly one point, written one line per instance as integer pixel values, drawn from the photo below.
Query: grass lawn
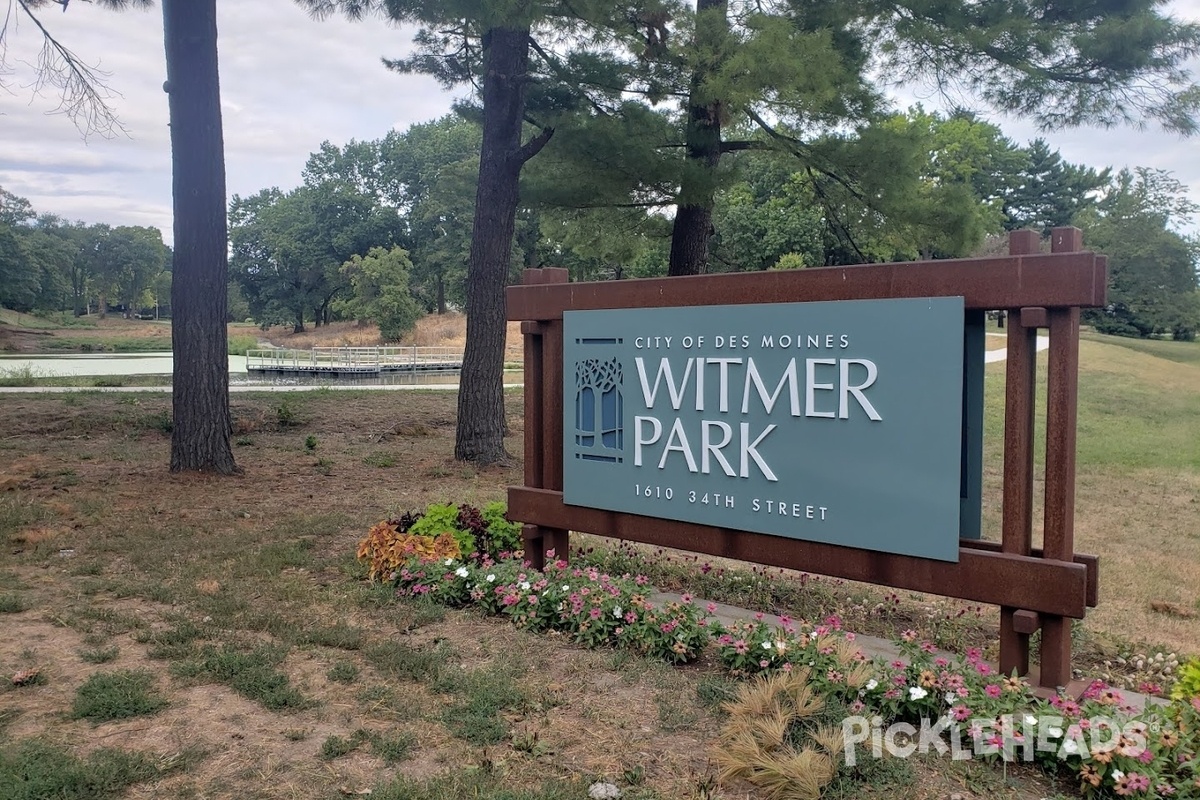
(218, 632)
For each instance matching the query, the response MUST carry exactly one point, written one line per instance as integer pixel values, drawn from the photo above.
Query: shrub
(387, 548)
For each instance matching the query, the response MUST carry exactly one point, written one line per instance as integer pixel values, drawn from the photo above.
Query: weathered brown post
(1019, 402)
(1062, 397)
(543, 417)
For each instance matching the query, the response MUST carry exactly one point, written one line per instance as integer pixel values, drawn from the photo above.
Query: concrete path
(992, 356)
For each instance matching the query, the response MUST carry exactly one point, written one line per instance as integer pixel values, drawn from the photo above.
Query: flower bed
(923, 701)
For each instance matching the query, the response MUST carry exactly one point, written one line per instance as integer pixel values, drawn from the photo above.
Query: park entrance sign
(826, 420)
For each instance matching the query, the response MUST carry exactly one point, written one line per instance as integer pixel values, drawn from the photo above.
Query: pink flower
(960, 712)
(909, 635)
(983, 669)
(941, 662)
(533, 599)
(1138, 783)
(687, 598)
(641, 580)
(992, 690)
(594, 613)
(741, 647)
(897, 664)
(764, 663)
(928, 647)
(711, 608)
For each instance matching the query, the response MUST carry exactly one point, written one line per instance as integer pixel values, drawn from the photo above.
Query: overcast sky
(287, 84)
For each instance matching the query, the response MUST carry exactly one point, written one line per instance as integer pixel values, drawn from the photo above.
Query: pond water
(93, 365)
(101, 364)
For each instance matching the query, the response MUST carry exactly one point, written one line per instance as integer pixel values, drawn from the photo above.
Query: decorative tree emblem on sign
(599, 408)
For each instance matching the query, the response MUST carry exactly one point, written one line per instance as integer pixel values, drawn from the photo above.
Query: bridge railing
(352, 359)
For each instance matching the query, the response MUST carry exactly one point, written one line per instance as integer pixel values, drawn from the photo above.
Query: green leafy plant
(505, 535)
(442, 518)
(310, 443)
(1187, 686)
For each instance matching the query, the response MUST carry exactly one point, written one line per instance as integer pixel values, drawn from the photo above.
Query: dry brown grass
(432, 330)
(151, 548)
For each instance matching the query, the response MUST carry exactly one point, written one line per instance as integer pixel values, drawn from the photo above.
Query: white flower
(1117, 774)
(461, 572)
(617, 612)
(491, 578)
(916, 693)
(449, 561)
(566, 588)
(603, 791)
(812, 635)
(951, 698)
(525, 586)
(872, 685)
(767, 645)
(1054, 732)
(780, 645)
(1031, 721)
(1071, 748)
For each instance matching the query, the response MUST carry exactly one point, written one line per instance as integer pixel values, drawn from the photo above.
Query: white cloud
(288, 83)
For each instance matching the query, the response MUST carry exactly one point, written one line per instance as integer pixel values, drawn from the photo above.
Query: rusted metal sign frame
(1035, 588)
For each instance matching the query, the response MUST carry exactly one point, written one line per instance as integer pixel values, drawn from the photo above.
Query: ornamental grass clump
(836, 664)
(778, 738)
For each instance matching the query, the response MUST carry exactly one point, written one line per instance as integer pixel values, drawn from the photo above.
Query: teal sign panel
(837, 422)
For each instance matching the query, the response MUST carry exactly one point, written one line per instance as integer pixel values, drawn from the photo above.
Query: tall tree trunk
(200, 395)
(697, 191)
(479, 436)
